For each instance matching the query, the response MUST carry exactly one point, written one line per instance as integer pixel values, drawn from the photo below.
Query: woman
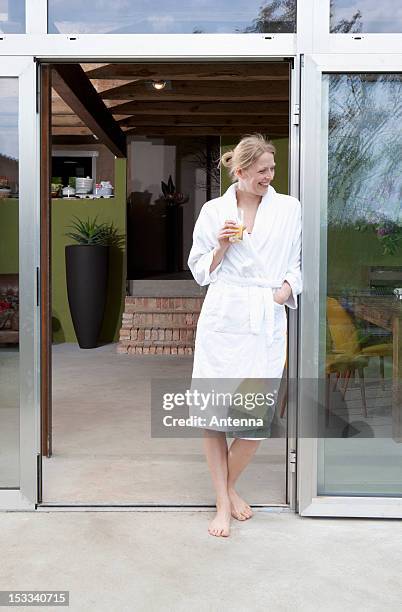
(241, 331)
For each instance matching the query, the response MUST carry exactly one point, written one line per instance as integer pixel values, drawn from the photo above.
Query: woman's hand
(282, 295)
(229, 229)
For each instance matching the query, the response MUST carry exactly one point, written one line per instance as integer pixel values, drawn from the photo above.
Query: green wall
(63, 211)
(113, 209)
(8, 236)
(350, 253)
(281, 182)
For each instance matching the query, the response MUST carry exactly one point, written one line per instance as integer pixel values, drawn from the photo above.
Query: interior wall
(151, 160)
(105, 167)
(63, 211)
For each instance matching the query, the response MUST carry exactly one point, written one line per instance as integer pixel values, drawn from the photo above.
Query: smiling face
(257, 177)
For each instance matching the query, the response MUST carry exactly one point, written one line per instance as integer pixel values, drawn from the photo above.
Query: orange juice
(240, 227)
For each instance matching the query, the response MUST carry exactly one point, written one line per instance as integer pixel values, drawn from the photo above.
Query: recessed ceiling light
(159, 84)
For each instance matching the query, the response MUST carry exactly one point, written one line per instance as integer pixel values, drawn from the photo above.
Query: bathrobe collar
(231, 204)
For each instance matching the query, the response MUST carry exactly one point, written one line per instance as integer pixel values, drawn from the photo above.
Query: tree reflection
(278, 16)
(364, 147)
(344, 26)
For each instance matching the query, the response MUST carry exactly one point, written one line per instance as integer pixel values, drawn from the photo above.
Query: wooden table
(386, 312)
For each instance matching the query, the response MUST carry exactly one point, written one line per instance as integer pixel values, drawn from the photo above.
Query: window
(171, 17)
(12, 16)
(366, 16)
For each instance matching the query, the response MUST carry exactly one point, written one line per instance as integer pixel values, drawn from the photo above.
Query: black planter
(87, 275)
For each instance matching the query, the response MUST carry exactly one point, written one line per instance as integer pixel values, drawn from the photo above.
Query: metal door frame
(25, 497)
(313, 306)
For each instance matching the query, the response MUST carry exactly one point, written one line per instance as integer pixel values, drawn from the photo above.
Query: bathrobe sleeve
(205, 240)
(293, 274)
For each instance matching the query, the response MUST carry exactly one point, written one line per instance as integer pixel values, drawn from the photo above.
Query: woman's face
(257, 178)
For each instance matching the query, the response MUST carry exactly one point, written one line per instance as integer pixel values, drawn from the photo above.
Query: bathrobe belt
(261, 301)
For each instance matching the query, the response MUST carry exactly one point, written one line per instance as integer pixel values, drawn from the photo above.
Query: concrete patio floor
(154, 561)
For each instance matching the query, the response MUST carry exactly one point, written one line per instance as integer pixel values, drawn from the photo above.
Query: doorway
(148, 124)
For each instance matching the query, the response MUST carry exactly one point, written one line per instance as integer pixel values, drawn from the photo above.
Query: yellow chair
(347, 355)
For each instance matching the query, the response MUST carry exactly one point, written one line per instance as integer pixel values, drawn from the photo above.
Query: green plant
(170, 195)
(92, 232)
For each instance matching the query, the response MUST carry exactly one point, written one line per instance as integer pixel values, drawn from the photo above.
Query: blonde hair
(245, 153)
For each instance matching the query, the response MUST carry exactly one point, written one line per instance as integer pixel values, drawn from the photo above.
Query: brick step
(131, 310)
(161, 319)
(162, 335)
(159, 303)
(159, 326)
(157, 343)
(155, 350)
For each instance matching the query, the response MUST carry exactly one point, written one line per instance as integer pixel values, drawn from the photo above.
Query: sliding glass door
(18, 291)
(351, 348)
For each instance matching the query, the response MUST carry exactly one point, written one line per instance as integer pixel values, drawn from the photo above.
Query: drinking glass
(240, 226)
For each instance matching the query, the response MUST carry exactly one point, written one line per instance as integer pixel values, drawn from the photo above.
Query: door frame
(313, 180)
(25, 496)
(294, 188)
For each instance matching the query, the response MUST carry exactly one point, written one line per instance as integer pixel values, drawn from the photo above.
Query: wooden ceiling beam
(202, 90)
(270, 131)
(71, 139)
(206, 120)
(74, 131)
(74, 87)
(69, 120)
(250, 71)
(202, 108)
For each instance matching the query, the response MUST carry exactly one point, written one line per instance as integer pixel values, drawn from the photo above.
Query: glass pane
(9, 295)
(361, 335)
(12, 16)
(171, 16)
(365, 16)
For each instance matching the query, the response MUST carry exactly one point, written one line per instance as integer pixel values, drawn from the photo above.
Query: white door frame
(25, 497)
(313, 182)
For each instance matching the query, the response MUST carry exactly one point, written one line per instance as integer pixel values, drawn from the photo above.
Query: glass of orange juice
(240, 226)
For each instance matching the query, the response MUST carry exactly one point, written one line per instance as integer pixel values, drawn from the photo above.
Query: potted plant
(87, 265)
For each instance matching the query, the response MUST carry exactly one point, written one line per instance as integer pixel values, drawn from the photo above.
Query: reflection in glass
(365, 16)
(171, 17)
(12, 16)
(362, 115)
(9, 294)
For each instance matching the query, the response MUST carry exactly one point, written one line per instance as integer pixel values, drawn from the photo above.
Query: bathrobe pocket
(232, 313)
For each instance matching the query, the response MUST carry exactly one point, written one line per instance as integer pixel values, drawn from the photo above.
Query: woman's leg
(240, 454)
(216, 451)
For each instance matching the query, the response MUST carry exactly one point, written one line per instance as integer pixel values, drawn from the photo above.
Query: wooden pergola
(105, 102)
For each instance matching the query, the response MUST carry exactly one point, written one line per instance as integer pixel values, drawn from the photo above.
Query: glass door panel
(351, 308)
(9, 285)
(19, 203)
(361, 118)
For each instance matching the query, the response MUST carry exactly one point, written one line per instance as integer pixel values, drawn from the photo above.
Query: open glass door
(351, 307)
(18, 289)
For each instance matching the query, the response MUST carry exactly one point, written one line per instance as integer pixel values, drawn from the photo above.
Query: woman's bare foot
(239, 508)
(220, 524)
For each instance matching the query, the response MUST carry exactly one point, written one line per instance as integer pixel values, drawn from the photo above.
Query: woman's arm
(210, 243)
(292, 284)
(206, 256)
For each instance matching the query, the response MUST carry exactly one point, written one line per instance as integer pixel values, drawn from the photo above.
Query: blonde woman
(241, 331)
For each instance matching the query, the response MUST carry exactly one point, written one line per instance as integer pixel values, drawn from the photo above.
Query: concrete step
(166, 288)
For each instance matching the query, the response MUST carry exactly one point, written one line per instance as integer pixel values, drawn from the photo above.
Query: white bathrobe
(241, 331)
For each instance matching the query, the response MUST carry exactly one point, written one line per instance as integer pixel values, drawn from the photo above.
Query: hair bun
(226, 159)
